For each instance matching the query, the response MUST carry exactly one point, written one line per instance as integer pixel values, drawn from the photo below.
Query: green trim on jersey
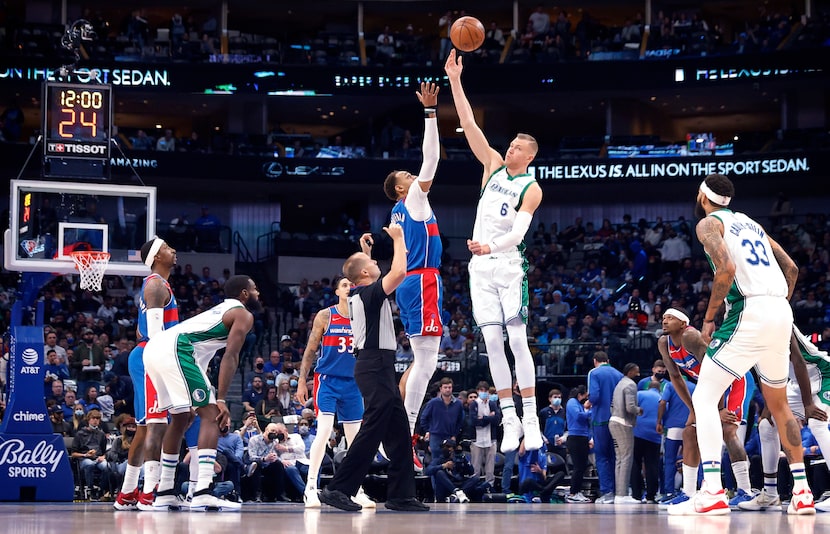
(522, 196)
(523, 312)
(727, 330)
(823, 366)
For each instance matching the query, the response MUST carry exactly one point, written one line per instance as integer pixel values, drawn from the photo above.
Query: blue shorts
(338, 395)
(419, 300)
(145, 399)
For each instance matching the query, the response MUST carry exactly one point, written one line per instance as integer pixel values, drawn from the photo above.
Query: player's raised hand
(428, 95)
(453, 66)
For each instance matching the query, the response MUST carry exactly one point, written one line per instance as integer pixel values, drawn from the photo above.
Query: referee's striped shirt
(371, 315)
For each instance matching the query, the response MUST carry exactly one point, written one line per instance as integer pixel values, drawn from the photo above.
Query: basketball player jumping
(498, 281)
(419, 296)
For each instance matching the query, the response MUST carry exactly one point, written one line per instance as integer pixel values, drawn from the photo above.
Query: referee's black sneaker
(339, 500)
(406, 505)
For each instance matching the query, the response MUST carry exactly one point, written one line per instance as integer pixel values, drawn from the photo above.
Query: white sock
(741, 472)
(529, 405)
(130, 478)
(206, 458)
(771, 485)
(799, 478)
(152, 475)
(508, 407)
(169, 462)
(689, 479)
(193, 470)
(770, 452)
(325, 423)
(425, 359)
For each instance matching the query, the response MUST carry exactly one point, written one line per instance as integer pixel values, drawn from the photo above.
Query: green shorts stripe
(197, 387)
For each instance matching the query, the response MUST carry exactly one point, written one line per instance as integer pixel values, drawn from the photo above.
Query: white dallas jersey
(500, 201)
(816, 360)
(757, 272)
(201, 335)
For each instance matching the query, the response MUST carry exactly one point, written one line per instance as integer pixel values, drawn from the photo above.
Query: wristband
(428, 112)
(223, 401)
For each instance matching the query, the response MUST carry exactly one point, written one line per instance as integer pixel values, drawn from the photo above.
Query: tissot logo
(77, 148)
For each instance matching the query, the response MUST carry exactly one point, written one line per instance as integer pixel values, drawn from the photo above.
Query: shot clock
(76, 121)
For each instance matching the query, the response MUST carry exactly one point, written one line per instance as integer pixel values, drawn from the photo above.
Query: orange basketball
(467, 34)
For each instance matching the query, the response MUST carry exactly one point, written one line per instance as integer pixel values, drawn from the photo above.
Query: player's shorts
(145, 398)
(498, 288)
(738, 396)
(338, 395)
(756, 332)
(821, 398)
(419, 299)
(180, 381)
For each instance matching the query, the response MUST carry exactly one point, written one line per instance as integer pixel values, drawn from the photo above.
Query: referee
(384, 416)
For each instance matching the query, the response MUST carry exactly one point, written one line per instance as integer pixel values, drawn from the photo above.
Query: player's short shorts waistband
(425, 270)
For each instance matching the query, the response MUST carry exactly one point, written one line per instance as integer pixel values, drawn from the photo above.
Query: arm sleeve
(515, 235)
(417, 203)
(155, 321)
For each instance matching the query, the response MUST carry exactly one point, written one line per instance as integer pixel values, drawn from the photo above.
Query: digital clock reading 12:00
(77, 120)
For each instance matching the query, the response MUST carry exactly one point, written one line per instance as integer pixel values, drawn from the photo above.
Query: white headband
(154, 249)
(677, 314)
(721, 200)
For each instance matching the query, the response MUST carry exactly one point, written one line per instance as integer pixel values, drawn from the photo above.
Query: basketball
(467, 34)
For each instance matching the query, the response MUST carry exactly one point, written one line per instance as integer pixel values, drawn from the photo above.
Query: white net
(91, 266)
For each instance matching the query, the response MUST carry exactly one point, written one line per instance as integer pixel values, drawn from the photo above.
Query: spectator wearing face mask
(304, 430)
(658, 374)
(553, 420)
(259, 368)
(486, 416)
(288, 373)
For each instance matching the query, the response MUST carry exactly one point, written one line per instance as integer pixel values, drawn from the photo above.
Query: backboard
(50, 220)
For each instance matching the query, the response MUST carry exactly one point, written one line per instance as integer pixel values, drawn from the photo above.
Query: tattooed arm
(787, 265)
(710, 234)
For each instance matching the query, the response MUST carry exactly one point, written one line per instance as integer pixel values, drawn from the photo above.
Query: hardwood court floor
(75, 518)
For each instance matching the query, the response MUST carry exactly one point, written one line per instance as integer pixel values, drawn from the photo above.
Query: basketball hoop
(91, 265)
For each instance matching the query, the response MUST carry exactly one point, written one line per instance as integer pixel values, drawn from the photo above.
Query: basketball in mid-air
(467, 34)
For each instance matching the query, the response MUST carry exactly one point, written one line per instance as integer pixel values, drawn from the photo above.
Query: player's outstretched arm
(431, 149)
(321, 322)
(475, 137)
